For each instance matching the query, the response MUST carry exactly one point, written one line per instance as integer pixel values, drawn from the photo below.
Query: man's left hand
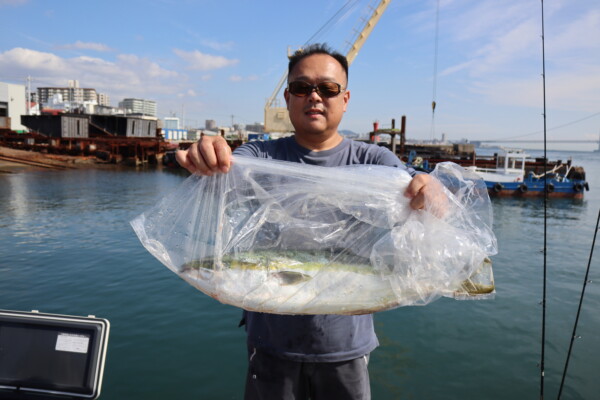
(427, 192)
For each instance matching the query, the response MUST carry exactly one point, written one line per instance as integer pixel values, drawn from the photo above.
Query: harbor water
(66, 247)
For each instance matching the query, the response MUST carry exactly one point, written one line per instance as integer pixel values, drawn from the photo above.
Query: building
(12, 106)
(175, 134)
(56, 104)
(210, 124)
(109, 110)
(171, 123)
(72, 93)
(139, 107)
(256, 127)
(103, 100)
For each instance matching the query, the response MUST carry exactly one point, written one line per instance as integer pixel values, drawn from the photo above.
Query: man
(316, 356)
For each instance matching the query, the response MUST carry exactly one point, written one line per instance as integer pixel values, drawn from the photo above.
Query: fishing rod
(545, 214)
(435, 67)
(585, 281)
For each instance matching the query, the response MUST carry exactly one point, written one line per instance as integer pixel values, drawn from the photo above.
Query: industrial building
(171, 123)
(69, 126)
(72, 93)
(103, 100)
(139, 107)
(12, 106)
(210, 124)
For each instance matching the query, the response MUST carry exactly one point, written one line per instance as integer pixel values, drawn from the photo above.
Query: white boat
(510, 167)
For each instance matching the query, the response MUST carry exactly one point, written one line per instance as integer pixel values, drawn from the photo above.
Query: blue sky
(222, 59)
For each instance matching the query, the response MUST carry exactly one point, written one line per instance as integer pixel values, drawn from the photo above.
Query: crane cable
(435, 65)
(336, 17)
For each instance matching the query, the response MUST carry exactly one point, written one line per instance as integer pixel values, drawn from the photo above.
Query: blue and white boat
(511, 177)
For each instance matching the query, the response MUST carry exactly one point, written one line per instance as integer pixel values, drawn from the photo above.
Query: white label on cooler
(72, 343)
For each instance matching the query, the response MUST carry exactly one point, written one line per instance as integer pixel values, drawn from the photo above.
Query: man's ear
(286, 96)
(346, 99)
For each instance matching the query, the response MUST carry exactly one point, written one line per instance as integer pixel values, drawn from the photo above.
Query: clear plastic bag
(290, 238)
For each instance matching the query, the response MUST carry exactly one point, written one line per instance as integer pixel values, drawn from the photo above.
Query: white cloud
(129, 75)
(12, 2)
(505, 51)
(239, 78)
(188, 93)
(477, 20)
(145, 67)
(456, 68)
(503, 44)
(79, 45)
(579, 36)
(577, 90)
(28, 61)
(204, 62)
(219, 46)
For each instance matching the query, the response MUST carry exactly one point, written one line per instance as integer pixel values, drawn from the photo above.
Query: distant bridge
(536, 141)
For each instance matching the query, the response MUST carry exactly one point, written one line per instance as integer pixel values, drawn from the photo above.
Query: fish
(321, 282)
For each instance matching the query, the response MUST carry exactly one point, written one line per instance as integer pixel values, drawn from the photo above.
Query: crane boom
(277, 119)
(366, 31)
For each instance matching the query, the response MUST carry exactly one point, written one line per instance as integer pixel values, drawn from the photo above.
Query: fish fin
(290, 277)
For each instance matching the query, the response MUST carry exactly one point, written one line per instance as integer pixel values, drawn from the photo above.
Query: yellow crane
(277, 119)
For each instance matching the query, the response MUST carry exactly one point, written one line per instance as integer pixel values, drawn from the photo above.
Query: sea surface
(66, 247)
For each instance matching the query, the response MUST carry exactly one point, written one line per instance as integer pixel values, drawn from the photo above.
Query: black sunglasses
(324, 89)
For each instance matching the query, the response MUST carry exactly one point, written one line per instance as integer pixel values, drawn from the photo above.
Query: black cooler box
(47, 356)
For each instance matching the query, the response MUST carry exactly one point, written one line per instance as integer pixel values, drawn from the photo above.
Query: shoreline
(15, 160)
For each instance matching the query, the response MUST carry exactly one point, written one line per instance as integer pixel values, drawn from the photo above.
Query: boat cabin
(511, 162)
(510, 167)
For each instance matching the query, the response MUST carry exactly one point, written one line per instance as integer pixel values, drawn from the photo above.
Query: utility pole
(28, 100)
(182, 116)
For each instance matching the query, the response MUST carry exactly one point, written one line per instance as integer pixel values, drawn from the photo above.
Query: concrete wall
(141, 127)
(58, 126)
(74, 127)
(14, 96)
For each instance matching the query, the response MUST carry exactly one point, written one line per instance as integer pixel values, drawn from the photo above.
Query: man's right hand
(208, 156)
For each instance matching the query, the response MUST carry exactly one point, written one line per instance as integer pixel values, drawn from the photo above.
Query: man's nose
(314, 95)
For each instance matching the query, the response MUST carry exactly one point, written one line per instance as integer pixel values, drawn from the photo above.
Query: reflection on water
(521, 210)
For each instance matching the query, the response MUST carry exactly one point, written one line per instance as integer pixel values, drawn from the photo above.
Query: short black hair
(317, 48)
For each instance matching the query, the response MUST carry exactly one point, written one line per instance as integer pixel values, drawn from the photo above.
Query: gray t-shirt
(315, 338)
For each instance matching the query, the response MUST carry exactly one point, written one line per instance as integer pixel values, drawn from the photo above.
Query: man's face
(315, 114)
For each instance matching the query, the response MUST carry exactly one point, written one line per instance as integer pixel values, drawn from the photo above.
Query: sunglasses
(323, 89)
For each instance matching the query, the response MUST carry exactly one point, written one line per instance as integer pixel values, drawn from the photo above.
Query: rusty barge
(107, 138)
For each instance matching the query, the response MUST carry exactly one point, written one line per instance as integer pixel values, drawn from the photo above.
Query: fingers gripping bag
(289, 238)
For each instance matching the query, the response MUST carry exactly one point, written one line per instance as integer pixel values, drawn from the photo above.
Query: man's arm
(210, 155)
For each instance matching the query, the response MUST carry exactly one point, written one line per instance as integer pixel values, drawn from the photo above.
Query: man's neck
(318, 142)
